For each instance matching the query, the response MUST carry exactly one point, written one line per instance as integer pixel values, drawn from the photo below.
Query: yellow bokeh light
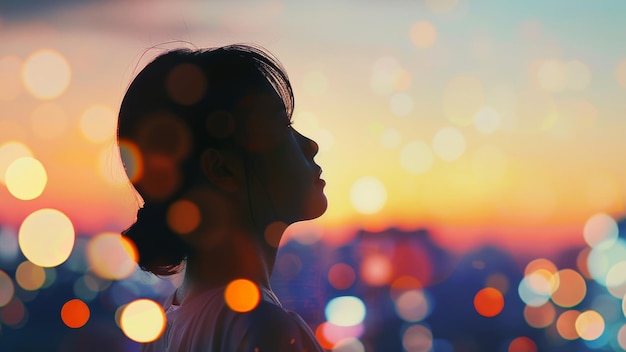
(589, 325)
(11, 86)
(9, 152)
(7, 289)
(46, 74)
(242, 295)
(26, 178)
(111, 256)
(30, 276)
(98, 123)
(449, 143)
(48, 120)
(368, 195)
(46, 237)
(142, 320)
(423, 34)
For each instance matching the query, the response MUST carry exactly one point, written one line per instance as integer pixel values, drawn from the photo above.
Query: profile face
(284, 178)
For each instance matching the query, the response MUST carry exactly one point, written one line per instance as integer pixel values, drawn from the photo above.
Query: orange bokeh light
(522, 344)
(572, 288)
(489, 302)
(75, 313)
(323, 340)
(566, 325)
(540, 317)
(183, 216)
(242, 295)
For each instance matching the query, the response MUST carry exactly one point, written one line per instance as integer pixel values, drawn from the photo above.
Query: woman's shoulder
(270, 327)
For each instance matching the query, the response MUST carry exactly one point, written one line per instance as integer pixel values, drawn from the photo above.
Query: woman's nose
(309, 146)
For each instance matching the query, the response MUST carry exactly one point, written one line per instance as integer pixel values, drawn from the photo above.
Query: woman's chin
(315, 207)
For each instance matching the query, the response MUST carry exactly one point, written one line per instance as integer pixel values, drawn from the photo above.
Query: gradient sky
(490, 120)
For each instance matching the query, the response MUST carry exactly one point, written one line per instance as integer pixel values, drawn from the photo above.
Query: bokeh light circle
(488, 302)
(349, 344)
(565, 324)
(29, 276)
(412, 305)
(600, 228)
(571, 290)
(242, 295)
(345, 311)
(368, 195)
(621, 337)
(449, 143)
(9, 152)
(522, 344)
(417, 338)
(416, 157)
(7, 289)
(111, 256)
(341, 276)
(534, 289)
(46, 74)
(589, 325)
(142, 320)
(423, 34)
(541, 316)
(46, 237)
(487, 120)
(98, 123)
(376, 269)
(603, 257)
(75, 313)
(26, 178)
(183, 216)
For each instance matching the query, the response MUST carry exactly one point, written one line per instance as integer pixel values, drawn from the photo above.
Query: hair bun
(161, 250)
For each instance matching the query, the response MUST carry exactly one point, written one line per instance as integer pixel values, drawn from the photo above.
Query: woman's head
(211, 129)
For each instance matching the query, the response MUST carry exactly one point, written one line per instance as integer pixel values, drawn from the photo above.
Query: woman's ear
(219, 169)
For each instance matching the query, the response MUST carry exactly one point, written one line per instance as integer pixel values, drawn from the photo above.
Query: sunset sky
(490, 120)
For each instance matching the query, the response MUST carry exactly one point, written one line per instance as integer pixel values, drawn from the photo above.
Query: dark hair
(165, 124)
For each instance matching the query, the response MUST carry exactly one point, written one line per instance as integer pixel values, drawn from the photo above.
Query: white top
(204, 323)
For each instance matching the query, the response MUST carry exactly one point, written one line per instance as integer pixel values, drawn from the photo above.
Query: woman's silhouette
(207, 141)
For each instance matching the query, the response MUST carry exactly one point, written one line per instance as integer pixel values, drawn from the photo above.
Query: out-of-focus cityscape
(383, 291)
(473, 153)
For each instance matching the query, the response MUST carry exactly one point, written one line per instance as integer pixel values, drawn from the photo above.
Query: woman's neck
(238, 256)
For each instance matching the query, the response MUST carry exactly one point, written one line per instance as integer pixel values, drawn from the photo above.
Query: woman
(207, 141)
